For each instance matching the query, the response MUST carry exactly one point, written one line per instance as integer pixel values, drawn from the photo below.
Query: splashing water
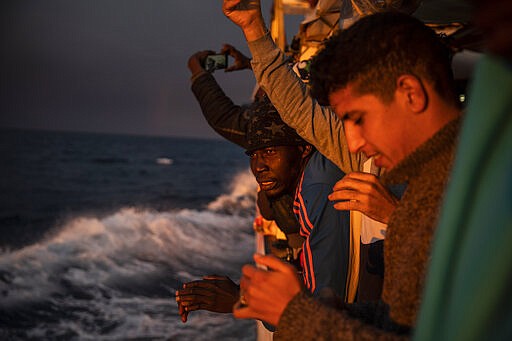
(113, 277)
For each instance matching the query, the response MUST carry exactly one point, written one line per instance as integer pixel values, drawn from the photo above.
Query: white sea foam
(241, 197)
(113, 276)
(164, 161)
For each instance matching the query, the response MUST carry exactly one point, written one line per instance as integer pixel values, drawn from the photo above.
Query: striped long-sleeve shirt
(325, 252)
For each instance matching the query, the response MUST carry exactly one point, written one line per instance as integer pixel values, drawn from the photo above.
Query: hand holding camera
(210, 61)
(241, 62)
(207, 60)
(196, 61)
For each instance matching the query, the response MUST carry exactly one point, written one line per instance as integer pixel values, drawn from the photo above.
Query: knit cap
(266, 129)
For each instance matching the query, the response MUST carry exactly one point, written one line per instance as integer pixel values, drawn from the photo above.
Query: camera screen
(215, 62)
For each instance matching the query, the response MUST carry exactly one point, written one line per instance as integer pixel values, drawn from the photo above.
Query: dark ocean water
(97, 231)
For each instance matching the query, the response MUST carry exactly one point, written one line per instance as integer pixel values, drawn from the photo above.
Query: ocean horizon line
(127, 134)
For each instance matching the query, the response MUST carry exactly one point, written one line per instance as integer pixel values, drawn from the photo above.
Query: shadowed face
(277, 169)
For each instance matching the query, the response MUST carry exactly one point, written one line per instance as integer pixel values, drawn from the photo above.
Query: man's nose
(355, 139)
(259, 163)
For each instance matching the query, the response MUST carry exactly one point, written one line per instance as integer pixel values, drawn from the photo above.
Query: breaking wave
(114, 277)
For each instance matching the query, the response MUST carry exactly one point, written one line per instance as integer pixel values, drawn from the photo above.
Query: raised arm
(225, 117)
(247, 15)
(241, 61)
(313, 122)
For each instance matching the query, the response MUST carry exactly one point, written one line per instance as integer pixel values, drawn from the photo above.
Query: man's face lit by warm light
(373, 127)
(277, 169)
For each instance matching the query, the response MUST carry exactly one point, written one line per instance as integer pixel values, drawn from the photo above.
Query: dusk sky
(116, 66)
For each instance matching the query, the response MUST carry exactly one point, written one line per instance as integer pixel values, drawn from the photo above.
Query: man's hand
(267, 293)
(212, 293)
(247, 15)
(363, 192)
(196, 61)
(241, 62)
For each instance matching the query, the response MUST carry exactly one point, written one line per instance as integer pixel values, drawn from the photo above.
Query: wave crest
(104, 276)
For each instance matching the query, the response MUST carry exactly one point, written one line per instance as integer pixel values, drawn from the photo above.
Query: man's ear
(306, 150)
(411, 90)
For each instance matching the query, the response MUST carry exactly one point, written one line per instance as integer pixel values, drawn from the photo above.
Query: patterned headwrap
(266, 129)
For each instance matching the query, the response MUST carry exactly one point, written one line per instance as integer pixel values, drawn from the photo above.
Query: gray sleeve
(316, 124)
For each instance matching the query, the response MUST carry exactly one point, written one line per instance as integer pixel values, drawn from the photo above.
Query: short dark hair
(375, 51)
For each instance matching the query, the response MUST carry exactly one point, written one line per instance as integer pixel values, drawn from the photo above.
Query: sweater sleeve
(316, 124)
(326, 323)
(226, 118)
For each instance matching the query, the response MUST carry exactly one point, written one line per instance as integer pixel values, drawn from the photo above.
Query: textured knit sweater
(406, 253)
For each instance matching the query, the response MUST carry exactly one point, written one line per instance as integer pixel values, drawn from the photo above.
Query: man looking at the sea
(283, 165)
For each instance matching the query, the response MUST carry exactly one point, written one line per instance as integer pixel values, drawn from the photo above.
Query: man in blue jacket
(283, 164)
